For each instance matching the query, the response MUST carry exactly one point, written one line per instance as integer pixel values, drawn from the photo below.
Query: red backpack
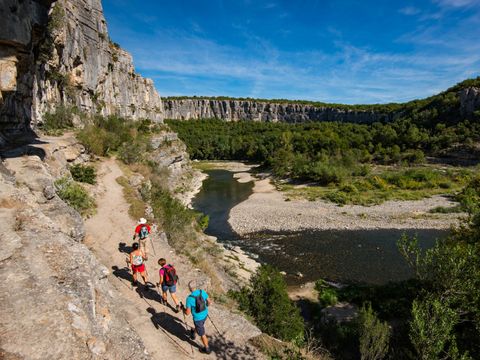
(169, 275)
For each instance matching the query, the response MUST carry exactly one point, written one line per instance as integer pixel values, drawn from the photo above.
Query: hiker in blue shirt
(197, 304)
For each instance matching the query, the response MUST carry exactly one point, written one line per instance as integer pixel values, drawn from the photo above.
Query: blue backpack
(143, 232)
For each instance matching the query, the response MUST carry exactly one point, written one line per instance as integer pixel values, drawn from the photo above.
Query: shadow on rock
(171, 325)
(148, 292)
(122, 273)
(228, 350)
(124, 248)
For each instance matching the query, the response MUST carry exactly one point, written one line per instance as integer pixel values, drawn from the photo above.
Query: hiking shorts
(200, 327)
(138, 268)
(172, 289)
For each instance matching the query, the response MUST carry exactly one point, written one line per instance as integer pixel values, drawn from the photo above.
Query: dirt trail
(161, 329)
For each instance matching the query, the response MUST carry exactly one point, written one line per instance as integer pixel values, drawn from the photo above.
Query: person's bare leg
(204, 341)
(134, 277)
(144, 276)
(174, 297)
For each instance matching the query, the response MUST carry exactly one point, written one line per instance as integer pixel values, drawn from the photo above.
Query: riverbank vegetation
(343, 163)
(435, 315)
(352, 163)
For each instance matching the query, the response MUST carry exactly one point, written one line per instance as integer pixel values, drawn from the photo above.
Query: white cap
(142, 221)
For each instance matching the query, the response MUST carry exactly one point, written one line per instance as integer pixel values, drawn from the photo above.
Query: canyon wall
(54, 53)
(251, 110)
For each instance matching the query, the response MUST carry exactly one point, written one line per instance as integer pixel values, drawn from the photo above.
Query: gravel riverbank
(266, 209)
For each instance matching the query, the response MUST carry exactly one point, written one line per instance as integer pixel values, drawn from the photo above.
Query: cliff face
(62, 54)
(469, 100)
(22, 32)
(235, 110)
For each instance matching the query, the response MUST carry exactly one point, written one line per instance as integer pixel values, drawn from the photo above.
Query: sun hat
(142, 221)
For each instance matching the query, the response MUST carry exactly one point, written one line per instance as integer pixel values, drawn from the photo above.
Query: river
(367, 256)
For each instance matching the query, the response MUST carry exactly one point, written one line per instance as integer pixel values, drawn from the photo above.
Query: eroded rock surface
(57, 302)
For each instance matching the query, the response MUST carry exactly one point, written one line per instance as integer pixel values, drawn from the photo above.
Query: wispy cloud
(191, 63)
(457, 3)
(409, 10)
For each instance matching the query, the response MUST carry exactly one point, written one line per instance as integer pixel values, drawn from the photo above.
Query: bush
(267, 301)
(131, 153)
(203, 221)
(74, 195)
(175, 217)
(83, 173)
(374, 335)
(55, 123)
(327, 295)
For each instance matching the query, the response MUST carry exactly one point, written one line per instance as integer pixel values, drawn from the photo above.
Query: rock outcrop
(251, 110)
(469, 100)
(57, 302)
(62, 54)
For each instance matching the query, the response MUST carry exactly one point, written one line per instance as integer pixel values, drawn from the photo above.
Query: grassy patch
(75, 196)
(385, 184)
(137, 207)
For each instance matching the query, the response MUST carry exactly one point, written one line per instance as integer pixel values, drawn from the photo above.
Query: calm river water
(369, 256)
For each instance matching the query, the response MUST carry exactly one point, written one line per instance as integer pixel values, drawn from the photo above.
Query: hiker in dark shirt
(168, 281)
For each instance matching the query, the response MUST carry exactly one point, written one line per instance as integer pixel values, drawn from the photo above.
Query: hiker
(197, 304)
(142, 230)
(168, 281)
(137, 260)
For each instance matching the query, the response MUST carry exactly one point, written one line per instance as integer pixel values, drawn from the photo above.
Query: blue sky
(341, 51)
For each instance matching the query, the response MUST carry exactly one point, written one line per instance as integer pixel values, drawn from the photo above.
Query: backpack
(137, 260)
(143, 232)
(170, 275)
(200, 303)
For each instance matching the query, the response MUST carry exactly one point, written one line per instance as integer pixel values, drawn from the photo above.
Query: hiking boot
(192, 334)
(135, 283)
(205, 350)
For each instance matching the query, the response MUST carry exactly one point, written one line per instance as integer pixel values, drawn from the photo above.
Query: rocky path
(109, 235)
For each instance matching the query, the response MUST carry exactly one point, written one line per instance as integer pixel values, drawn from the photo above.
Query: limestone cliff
(251, 110)
(469, 100)
(62, 54)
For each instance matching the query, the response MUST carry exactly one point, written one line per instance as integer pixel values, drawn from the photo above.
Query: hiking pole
(185, 322)
(153, 247)
(215, 326)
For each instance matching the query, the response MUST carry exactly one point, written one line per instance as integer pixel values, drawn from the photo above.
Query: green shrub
(337, 197)
(131, 152)
(327, 295)
(175, 218)
(74, 195)
(469, 198)
(83, 173)
(203, 220)
(62, 119)
(374, 335)
(267, 301)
